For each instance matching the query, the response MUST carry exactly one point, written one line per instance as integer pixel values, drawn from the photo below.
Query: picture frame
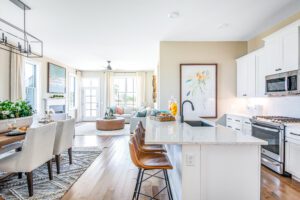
(198, 83)
(56, 79)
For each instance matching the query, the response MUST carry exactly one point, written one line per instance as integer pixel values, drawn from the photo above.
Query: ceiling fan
(108, 67)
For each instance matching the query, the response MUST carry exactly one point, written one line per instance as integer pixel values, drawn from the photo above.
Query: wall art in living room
(56, 79)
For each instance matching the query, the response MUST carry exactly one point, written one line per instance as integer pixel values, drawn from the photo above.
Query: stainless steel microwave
(283, 84)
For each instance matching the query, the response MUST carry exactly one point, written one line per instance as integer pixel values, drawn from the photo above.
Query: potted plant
(18, 113)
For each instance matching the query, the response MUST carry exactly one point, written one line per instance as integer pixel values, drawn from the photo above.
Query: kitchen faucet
(181, 113)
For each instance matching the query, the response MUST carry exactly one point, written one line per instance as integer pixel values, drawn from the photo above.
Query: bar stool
(149, 161)
(138, 136)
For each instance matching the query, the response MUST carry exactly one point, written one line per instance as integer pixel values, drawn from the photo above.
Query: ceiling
(84, 34)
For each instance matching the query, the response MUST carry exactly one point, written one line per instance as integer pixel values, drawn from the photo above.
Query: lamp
(17, 40)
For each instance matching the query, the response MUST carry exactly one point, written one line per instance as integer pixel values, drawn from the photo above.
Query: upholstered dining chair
(36, 150)
(64, 140)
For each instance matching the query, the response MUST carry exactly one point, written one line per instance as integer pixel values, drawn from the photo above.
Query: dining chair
(65, 131)
(36, 150)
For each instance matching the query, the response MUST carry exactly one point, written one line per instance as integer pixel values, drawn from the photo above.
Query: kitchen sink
(198, 124)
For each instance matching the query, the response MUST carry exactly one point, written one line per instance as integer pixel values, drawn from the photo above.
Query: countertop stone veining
(181, 133)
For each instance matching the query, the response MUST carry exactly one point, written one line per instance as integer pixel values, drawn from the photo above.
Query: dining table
(8, 140)
(8, 143)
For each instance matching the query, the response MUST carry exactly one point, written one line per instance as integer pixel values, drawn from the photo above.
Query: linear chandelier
(17, 40)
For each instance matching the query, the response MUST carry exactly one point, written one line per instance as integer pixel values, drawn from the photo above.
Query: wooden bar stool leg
(168, 184)
(140, 184)
(136, 184)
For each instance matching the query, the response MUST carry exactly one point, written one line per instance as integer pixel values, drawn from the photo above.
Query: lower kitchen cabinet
(292, 153)
(238, 123)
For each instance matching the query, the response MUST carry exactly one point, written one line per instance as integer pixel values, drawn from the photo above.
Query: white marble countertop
(178, 133)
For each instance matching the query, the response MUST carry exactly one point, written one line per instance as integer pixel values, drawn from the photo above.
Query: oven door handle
(270, 162)
(265, 128)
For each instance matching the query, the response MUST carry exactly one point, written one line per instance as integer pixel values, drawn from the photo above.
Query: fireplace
(58, 105)
(58, 108)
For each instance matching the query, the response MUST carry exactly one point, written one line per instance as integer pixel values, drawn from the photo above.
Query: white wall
(4, 75)
(172, 54)
(283, 106)
(42, 63)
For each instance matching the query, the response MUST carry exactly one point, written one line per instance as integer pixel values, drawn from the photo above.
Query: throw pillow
(154, 112)
(142, 113)
(119, 110)
(113, 109)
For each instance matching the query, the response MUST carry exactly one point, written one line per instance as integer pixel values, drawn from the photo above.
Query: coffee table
(110, 124)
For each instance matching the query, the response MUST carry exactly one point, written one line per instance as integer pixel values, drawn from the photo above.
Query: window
(72, 91)
(30, 84)
(124, 91)
(90, 95)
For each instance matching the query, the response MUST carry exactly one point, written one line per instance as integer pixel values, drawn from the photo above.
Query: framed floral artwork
(198, 83)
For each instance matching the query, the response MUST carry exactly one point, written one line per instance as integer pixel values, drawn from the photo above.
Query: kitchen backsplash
(284, 106)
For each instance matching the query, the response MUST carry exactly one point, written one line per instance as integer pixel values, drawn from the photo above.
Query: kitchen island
(210, 162)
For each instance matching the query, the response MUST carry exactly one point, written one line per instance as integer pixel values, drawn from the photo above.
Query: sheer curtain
(108, 88)
(17, 85)
(141, 89)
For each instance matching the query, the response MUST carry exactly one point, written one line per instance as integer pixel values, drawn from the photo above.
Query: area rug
(12, 188)
(89, 128)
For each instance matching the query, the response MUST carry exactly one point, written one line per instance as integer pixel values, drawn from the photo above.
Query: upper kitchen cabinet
(261, 71)
(282, 50)
(246, 76)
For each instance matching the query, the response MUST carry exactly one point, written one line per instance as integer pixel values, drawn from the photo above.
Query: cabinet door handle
(229, 118)
(278, 69)
(237, 120)
(294, 134)
(247, 122)
(229, 126)
(237, 129)
(244, 95)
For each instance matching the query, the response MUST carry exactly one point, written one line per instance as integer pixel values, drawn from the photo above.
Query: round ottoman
(110, 124)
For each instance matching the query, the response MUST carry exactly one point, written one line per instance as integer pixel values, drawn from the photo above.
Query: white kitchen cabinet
(292, 152)
(282, 50)
(249, 68)
(261, 71)
(251, 82)
(293, 158)
(273, 48)
(238, 123)
(291, 49)
(246, 76)
(242, 77)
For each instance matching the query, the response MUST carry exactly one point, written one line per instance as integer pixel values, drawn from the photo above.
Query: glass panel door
(90, 99)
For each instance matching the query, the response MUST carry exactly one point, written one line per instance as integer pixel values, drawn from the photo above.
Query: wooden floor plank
(112, 175)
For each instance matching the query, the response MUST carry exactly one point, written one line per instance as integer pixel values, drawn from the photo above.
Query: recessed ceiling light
(174, 15)
(223, 26)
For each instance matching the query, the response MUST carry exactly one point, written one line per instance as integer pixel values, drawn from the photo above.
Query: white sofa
(134, 122)
(128, 114)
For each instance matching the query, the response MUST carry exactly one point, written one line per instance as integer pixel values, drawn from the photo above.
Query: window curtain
(108, 88)
(141, 89)
(17, 85)
(78, 95)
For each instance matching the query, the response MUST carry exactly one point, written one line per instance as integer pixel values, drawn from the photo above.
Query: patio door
(90, 99)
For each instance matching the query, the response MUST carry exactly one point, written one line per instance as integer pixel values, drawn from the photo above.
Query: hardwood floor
(276, 187)
(112, 176)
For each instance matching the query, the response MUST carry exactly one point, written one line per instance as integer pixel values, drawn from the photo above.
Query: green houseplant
(20, 112)
(11, 110)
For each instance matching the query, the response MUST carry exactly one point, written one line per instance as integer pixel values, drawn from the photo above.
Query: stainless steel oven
(273, 153)
(283, 84)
